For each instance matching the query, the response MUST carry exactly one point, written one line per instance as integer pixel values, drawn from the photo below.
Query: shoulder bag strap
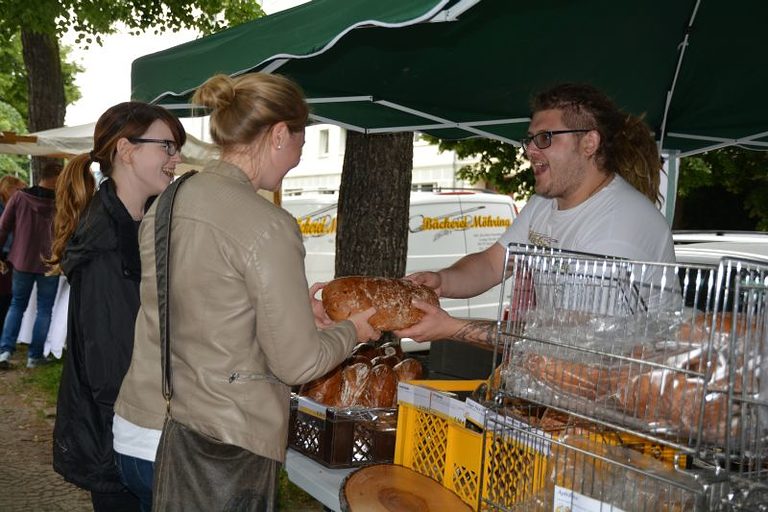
(162, 260)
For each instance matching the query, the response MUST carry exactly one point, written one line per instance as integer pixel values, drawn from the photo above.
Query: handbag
(194, 471)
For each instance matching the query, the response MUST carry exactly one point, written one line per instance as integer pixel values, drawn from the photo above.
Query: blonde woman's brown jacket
(242, 329)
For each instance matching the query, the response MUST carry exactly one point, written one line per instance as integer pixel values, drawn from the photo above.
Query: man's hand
(428, 279)
(436, 324)
(3, 267)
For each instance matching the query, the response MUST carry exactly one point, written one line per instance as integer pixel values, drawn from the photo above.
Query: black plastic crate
(342, 438)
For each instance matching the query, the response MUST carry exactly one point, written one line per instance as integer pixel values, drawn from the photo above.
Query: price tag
(422, 398)
(449, 407)
(312, 408)
(475, 413)
(405, 393)
(566, 499)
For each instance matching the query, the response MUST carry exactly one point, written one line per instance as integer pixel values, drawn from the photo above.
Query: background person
(137, 147)
(597, 178)
(242, 324)
(9, 185)
(29, 216)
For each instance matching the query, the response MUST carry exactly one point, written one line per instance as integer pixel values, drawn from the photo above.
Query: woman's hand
(321, 317)
(364, 330)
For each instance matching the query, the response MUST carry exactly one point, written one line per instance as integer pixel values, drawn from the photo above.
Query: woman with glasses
(597, 172)
(136, 147)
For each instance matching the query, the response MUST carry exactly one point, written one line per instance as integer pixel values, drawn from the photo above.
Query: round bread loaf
(409, 369)
(366, 350)
(326, 389)
(643, 396)
(391, 348)
(355, 379)
(381, 388)
(390, 361)
(356, 359)
(392, 299)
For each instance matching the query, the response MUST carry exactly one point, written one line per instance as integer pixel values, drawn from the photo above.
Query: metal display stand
(629, 384)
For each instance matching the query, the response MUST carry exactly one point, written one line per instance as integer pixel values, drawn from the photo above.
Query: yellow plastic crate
(452, 454)
(440, 448)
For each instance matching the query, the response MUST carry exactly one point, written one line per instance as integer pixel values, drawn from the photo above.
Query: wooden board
(393, 488)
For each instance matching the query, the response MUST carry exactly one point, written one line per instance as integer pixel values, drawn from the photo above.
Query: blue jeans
(21, 285)
(137, 475)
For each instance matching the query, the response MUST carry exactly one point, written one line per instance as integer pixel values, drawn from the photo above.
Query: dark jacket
(103, 268)
(29, 216)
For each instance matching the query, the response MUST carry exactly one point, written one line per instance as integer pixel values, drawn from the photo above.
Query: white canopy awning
(73, 140)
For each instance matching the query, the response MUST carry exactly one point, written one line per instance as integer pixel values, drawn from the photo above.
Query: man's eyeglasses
(544, 139)
(170, 146)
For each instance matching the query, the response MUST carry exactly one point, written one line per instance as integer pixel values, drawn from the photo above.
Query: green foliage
(734, 169)
(12, 121)
(13, 77)
(501, 166)
(13, 86)
(92, 19)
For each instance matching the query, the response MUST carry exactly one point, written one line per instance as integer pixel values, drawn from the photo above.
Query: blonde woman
(242, 325)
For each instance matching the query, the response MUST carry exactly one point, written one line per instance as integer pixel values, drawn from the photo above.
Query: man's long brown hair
(626, 144)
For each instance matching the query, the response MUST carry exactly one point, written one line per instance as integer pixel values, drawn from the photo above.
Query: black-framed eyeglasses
(170, 145)
(544, 139)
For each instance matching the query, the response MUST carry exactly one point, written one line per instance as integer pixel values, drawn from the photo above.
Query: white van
(443, 227)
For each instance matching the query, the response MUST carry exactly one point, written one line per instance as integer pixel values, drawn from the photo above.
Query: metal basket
(666, 353)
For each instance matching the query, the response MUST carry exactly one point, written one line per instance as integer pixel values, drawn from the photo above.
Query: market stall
(622, 384)
(459, 69)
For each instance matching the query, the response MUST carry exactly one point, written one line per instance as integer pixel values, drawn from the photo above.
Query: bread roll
(392, 299)
(355, 378)
(366, 350)
(391, 348)
(381, 387)
(408, 369)
(390, 361)
(643, 397)
(700, 329)
(326, 389)
(684, 404)
(353, 359)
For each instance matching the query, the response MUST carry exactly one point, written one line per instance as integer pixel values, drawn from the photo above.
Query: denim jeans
(137, 475)
(22, 284)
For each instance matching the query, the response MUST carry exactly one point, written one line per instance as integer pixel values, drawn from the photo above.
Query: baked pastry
(354, 381)
(409, 369)
(391, 348)
(392, 299)
(390, 361)
(366, 350)
(326, 389)
(381, 388)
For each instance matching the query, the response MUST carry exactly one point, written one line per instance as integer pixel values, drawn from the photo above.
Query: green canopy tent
(463, 68)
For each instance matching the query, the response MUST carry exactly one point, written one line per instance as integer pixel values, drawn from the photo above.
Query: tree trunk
(374, 197)
(45, 86)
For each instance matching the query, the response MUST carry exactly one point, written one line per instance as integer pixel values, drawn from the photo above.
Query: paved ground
(27, 480)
